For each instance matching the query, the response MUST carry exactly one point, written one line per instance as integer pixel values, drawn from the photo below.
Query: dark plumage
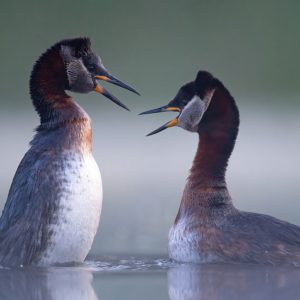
(208, 228)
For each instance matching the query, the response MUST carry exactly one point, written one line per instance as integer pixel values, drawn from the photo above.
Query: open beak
(105, 76)
(106, 93)
(165, 108)
(111, 79)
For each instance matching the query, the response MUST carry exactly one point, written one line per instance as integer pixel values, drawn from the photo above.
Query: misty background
(157, 46)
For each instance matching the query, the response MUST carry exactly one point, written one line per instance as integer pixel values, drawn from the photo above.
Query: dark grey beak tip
(123, 106)
(114, 99)
(154, 111)
(133, 90)
(142, 113)
(165, 126)
(149, 134)
(136, 92)
(118, 82)
(153, 132)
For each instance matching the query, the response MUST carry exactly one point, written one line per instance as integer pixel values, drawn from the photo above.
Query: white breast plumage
(78, 213)
(185, 242)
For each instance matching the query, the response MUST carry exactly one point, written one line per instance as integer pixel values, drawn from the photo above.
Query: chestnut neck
(205, 191)
(217, 135)
(48, 83)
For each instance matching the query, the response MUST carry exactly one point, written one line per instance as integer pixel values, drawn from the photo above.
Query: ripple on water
(129, 264)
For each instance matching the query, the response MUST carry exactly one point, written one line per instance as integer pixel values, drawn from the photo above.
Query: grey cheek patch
(79, 78)
(191, 115)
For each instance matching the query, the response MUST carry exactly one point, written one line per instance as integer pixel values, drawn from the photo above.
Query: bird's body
(227, 235)
(54, 203)
(208, 228)
(58, 185)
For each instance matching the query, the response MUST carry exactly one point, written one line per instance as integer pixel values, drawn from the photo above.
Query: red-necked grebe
(54, 203)
(208, 228)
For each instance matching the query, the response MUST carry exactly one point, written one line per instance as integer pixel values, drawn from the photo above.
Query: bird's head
(84, 69)
(191, 101)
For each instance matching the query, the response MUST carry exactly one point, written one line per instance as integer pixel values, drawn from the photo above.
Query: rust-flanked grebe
(54, 203)
(208, 228)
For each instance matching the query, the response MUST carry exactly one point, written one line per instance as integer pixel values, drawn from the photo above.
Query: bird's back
(262, 239)
(227, 235)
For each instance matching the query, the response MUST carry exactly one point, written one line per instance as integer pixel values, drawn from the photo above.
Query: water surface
(149, 278)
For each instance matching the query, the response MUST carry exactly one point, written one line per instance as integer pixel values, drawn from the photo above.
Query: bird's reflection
(213, 282)
(44, 284)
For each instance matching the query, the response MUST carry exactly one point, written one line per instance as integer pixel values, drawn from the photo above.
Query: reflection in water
(146, 279)
(44, 284)
(213, 282)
